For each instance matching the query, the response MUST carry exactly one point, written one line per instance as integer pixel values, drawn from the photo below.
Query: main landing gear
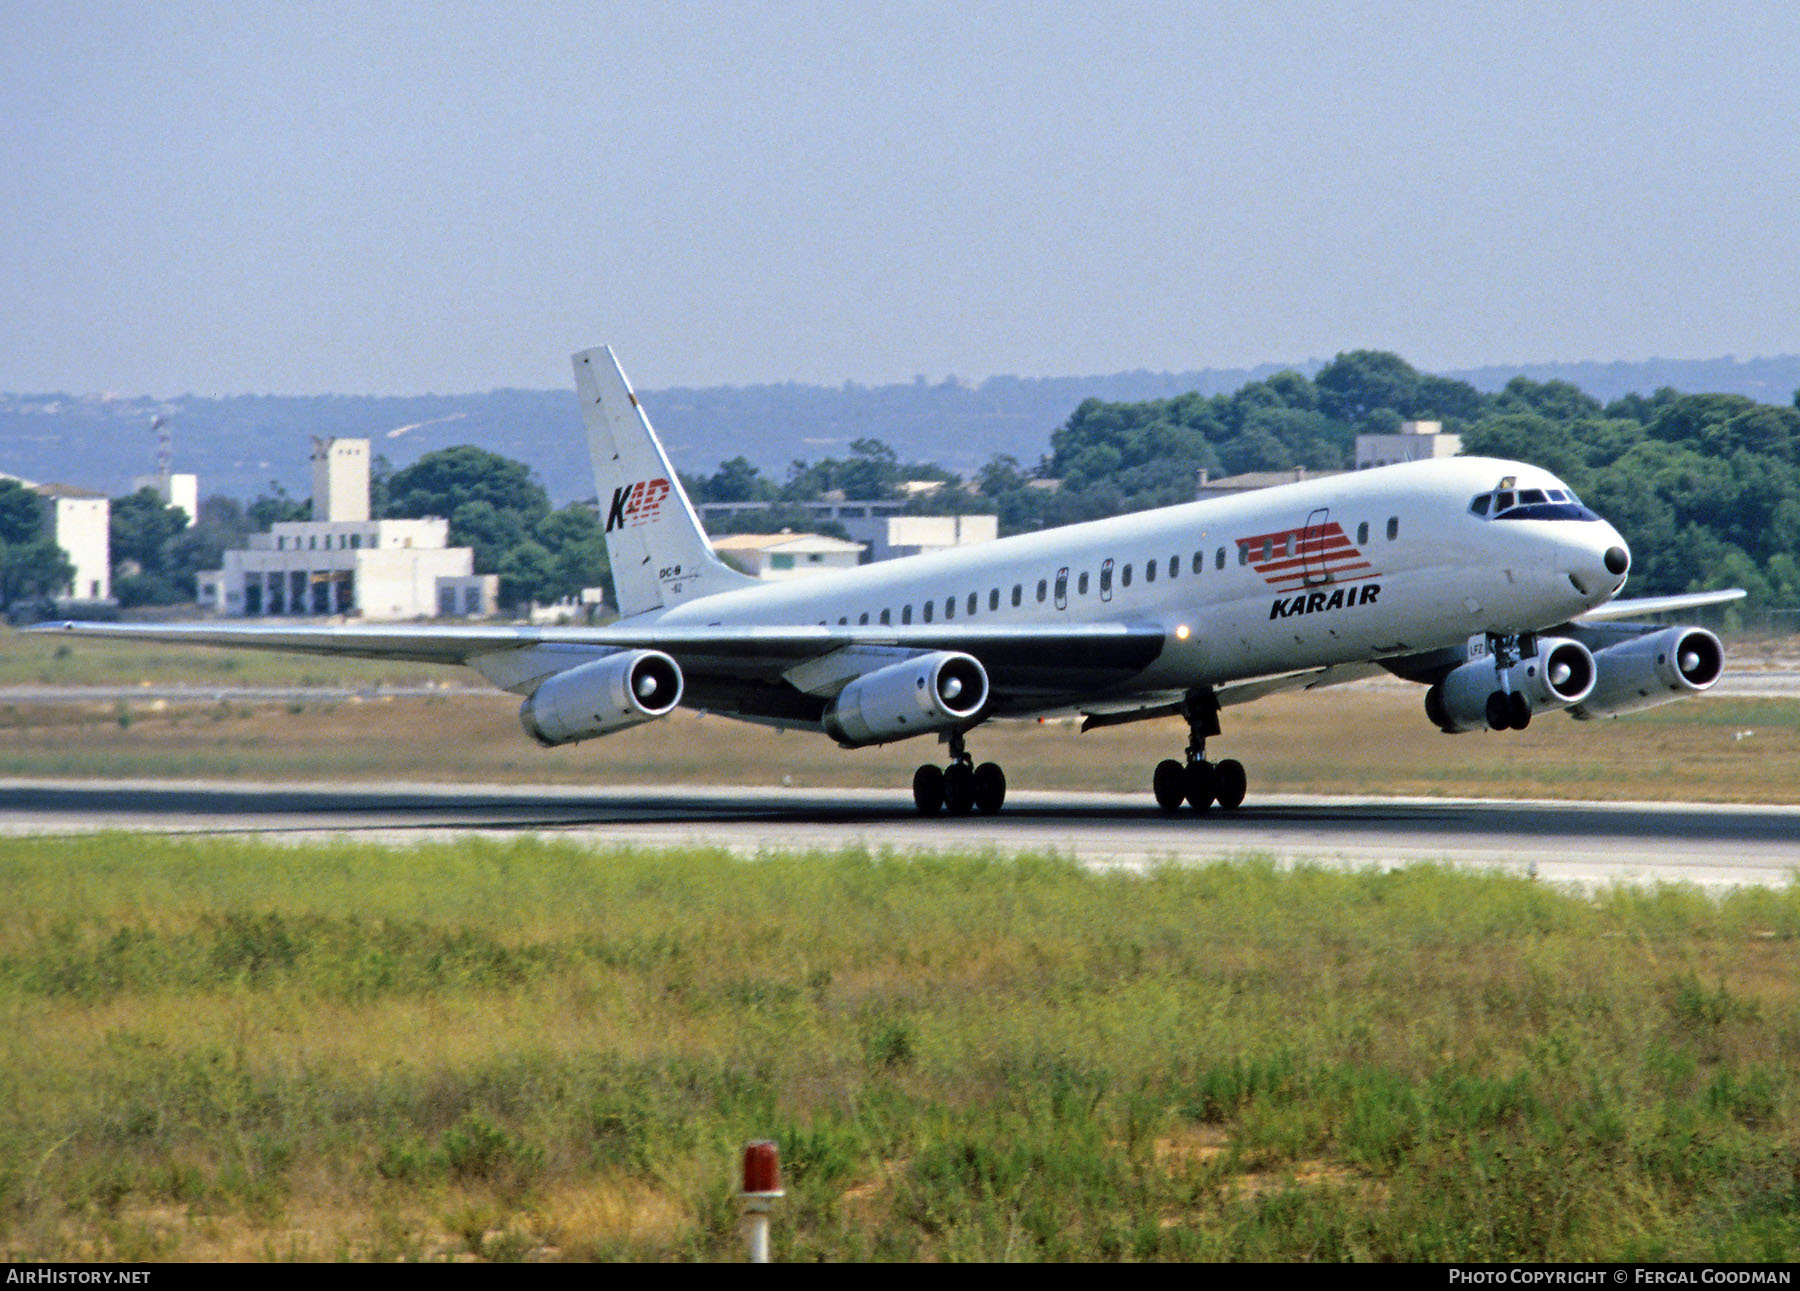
(961, 787)
(1507, 709)
(1196, 781)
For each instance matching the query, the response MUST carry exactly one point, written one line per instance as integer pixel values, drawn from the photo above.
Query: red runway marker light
(762, 1169)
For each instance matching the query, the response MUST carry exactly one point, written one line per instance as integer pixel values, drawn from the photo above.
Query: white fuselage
(1354, 567)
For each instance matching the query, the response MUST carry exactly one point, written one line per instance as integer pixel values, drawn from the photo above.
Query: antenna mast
(165, 450)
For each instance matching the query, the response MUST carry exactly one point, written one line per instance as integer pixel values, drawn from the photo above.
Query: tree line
(1705, 487)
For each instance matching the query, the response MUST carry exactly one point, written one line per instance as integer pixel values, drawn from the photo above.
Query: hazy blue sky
(392, 198)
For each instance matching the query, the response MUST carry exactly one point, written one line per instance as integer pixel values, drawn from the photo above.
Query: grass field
(1369, 738)
(220, 1049)
(224, 1050)
(40, 658)
(1354, 740)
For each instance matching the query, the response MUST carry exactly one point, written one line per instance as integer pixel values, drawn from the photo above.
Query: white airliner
(1487, 581)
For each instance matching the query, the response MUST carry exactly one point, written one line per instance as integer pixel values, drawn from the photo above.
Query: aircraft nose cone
(1618, 560)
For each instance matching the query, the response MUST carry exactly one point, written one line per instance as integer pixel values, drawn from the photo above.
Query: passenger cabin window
(1125, 576)
(1219, 560)
(1043, 590)
(906, 614)
(1393, 527)
(927, 608)
(1149, 571)
(1175, 564)
(949, 607)
(1243, 553)
(993, 598)
(1268, 549)
(1362, 532)
(862, 620)
(1200, 561)
(1081, 583)
(972, 600)
(1019, 595)
(887, 618)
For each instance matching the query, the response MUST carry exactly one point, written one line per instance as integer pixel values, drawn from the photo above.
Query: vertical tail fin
(659, 552)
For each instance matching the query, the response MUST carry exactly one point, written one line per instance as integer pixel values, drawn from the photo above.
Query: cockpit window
(1508, 503)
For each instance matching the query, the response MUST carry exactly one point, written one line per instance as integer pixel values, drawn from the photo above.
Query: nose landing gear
(1506, 708)
(1195, 781)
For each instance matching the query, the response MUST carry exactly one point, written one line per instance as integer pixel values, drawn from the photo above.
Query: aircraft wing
(1646, 605)
(1021, 661)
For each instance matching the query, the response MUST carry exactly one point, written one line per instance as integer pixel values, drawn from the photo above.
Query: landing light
(1181, 632)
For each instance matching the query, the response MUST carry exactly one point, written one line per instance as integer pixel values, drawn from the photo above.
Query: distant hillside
(1770, 380)
(239, 445)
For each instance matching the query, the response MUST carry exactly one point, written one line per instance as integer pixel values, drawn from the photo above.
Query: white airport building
(343, 563)
(175, 490)
(81, 524)
(878, 526)
(778, 557)
(1417, 441)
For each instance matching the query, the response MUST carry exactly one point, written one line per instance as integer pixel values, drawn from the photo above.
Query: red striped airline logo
(1292, 559)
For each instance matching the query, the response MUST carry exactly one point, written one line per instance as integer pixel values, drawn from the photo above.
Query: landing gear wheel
(1518, 711)
(990, 788)
(1499, 712)
(959, 789)
(1169, 784)
(928, 790)
(1230, 783)
(1201, 784)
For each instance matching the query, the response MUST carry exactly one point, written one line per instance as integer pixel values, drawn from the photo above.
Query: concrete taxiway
(1588, 844)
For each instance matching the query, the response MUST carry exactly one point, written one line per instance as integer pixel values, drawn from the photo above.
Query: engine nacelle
(601, 697)
(932, 692)
(1561, 673)
(1651, 670)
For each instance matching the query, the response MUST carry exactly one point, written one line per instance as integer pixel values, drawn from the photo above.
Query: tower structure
(340, 470)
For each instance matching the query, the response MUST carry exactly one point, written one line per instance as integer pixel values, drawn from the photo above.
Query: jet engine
(601, 697)
(931, 692)
(1561, 673)
(1651, 670)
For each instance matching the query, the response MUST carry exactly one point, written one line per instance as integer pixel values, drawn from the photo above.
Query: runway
(1585, 844)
